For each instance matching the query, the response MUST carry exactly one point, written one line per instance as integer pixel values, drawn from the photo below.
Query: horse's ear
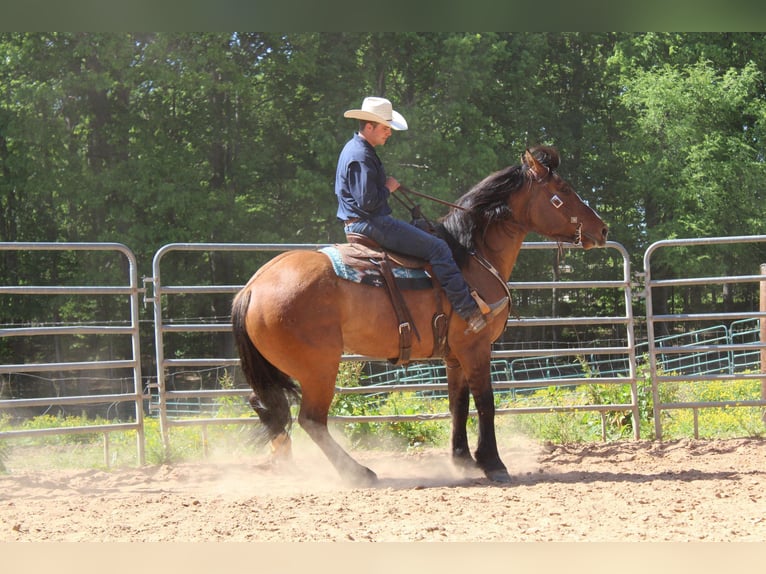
(538, 169)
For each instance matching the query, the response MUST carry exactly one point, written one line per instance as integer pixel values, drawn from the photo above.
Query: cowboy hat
(378, 110)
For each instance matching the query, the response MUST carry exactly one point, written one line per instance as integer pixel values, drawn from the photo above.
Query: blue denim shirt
(360, 181)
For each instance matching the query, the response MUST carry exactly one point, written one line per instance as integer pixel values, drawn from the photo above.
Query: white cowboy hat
(378, 110)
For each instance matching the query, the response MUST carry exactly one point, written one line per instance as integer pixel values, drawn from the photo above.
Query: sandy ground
(688, 490)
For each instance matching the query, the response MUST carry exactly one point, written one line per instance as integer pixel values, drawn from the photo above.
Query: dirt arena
(688, 490)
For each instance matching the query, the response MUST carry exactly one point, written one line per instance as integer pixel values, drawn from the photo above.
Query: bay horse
(295, 317)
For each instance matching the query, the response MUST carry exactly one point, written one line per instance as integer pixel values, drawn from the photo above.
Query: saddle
(368, 257)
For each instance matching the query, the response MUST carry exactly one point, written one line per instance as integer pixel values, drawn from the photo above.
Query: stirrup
(496, 307)
(491, 309)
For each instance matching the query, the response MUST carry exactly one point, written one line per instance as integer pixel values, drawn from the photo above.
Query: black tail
(273, 390)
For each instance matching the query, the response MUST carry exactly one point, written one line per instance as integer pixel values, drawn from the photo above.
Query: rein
(407, 191)
(403, 197)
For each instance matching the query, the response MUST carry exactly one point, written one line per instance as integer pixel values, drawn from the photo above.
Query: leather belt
(351, 220)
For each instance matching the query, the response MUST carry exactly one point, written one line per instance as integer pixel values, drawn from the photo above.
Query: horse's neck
(501, 246)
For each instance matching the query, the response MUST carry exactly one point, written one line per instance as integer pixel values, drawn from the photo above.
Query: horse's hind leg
(281, 445)
(317, 395)
(281, 448)
(350, 470)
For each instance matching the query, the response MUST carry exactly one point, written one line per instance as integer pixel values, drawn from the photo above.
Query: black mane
(487, 203)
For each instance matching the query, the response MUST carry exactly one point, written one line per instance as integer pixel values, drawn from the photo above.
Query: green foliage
(697, 148)
(230, 406)
(87, 450)
(410, 433)
(376, 434)
(619, 424)
(557, 426)
(564, 426)
(352, 404)
(715, 422)
(563, 422)
(154, 138)
(149, 139)
(64, 422)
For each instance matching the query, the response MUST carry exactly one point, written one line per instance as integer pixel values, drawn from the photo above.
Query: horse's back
(297, 297)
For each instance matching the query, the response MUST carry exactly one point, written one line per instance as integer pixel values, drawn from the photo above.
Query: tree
(695, 156)
(149, 139)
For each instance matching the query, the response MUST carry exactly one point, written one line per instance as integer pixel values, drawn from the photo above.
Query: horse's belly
(372, 328)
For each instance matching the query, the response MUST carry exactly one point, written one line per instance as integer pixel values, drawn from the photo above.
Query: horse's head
(553, 208)
(527, 197)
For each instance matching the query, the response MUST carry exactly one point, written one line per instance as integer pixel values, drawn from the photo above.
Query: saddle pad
(406, 279)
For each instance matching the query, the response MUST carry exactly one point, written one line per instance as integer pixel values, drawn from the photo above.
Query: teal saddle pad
(406, 278)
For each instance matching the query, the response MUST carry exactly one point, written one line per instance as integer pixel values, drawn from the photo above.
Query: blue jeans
(402, 237)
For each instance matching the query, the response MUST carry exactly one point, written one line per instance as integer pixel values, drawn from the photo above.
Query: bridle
(557, 202)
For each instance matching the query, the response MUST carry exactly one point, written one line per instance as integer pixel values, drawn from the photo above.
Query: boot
(478, 319)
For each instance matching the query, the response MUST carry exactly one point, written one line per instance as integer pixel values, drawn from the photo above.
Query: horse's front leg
(459, 399)
(487, 456)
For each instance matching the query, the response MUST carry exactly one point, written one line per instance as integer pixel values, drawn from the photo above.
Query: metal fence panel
(724, 350)
(128, 292)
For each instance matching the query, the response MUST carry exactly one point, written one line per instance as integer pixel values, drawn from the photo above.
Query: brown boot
(478, 320)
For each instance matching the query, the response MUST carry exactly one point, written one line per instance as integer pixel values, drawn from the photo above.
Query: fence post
(762, 322)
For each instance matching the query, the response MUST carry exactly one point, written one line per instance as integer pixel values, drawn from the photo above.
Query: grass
(715, 422)
(72, 451)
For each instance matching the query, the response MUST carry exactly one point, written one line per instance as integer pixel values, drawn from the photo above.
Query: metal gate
(126, 291)
(166, 323)
(664, 353)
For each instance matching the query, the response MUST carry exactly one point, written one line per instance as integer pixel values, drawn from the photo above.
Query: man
(363, 189)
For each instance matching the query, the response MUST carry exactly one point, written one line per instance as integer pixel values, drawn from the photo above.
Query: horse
(295, 318)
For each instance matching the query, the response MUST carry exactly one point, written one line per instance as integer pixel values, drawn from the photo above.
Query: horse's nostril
(605, 232)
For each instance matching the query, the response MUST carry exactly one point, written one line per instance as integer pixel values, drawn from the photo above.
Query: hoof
(362, 479)
(499, 475)
(463, 461)
(281, 448)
